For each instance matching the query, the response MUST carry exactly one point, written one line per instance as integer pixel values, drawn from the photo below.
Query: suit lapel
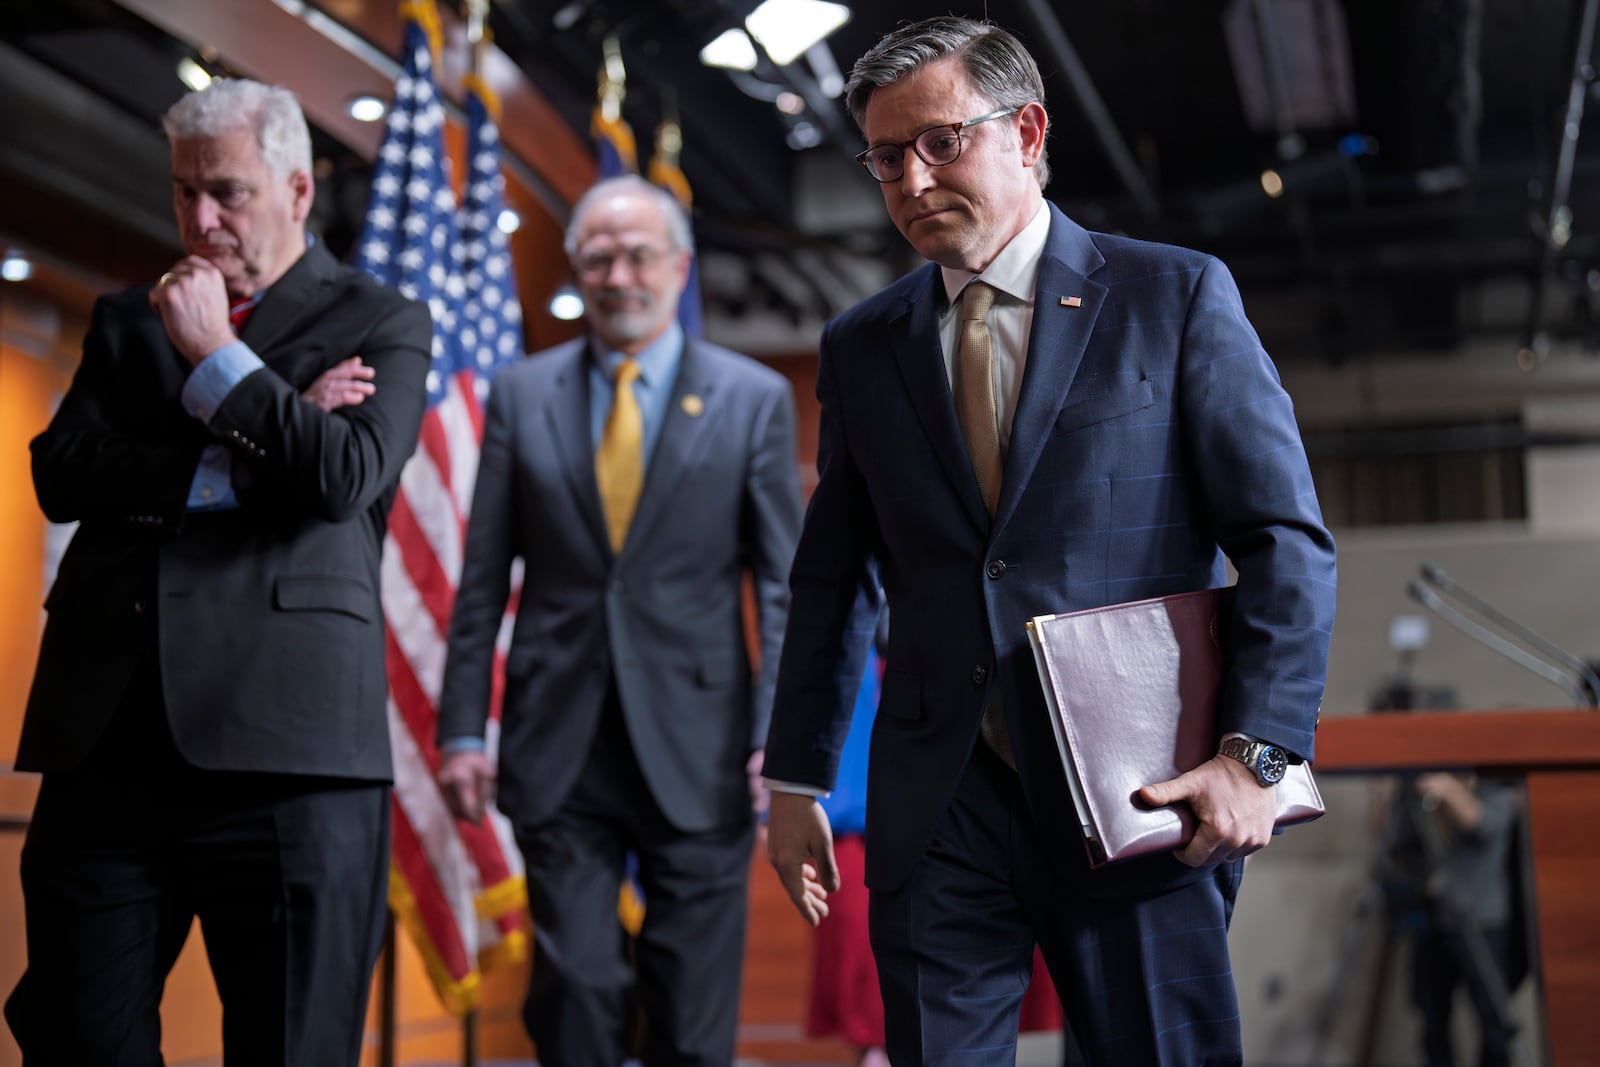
(920, 355)
(1056, 343)
(683, 435)
(293, 297)
(566, 411)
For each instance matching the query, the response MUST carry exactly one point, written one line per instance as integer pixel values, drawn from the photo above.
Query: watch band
(1252, 753)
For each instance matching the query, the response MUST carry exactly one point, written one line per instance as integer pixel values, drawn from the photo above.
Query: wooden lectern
(1558, 754)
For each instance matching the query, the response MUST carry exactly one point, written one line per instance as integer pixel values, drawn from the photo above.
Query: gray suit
(628, 682)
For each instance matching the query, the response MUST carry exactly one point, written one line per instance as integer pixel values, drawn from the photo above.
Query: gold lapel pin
(1072, 301)
(693, 406)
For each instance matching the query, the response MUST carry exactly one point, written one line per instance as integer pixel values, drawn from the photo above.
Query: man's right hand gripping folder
(1132, 691)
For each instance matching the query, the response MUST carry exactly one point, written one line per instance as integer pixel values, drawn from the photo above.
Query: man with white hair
(208, 707)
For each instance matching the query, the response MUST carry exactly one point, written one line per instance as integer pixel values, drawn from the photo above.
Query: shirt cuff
(793, 787)
(212, 487)
(465, 743)
(215, 376)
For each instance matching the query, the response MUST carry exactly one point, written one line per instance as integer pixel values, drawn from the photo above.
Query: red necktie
(238, 311)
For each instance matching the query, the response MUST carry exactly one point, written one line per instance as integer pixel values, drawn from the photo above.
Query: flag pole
(386, 995)
(418, 239)
(613, 79)
(477, 41)
(477, 32)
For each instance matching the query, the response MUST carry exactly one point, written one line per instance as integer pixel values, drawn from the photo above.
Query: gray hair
(999, 67)
(229, 104)
(678, 231)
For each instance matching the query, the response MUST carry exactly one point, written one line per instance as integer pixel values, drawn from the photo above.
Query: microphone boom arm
(1428, 598)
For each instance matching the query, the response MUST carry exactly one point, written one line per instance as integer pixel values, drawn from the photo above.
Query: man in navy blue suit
(1041, 419)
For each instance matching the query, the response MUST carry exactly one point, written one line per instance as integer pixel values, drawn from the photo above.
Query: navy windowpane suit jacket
(1151, 438)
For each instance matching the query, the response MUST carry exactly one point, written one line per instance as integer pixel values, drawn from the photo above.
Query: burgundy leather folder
(1132, 691)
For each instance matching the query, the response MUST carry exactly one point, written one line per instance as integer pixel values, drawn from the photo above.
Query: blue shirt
(846, 806)
(213, 378)
(658, 372)
(208, 386)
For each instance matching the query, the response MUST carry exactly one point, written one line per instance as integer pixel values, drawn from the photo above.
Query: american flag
(455, 887)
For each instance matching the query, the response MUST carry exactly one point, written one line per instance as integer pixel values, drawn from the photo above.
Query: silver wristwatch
(1266, 761)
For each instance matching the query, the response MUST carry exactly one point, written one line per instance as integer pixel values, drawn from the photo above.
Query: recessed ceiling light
(16, 267)
(566, 304)
(193, 74)
(732, 50)
(367, 108)
(786, 28)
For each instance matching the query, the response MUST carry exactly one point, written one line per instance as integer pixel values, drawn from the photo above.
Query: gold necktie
(619, 461)
(974, 390)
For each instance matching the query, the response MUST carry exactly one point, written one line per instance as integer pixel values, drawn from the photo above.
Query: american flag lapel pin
(1072, 301)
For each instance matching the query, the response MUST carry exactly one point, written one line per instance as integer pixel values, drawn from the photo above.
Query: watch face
(1274, 762)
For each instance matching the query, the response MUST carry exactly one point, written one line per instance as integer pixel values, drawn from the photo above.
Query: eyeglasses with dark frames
(937, 146)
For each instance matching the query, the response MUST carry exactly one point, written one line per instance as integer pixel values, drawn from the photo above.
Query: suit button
(979, 675)
(138, 607)
(996, 568)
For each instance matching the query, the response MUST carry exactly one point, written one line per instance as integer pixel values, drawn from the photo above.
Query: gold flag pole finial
(665, 170)
(613, 80)
(669, 135)
(477, 17)
(479, 38)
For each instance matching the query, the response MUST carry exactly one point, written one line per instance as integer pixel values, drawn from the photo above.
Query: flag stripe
(423, 568)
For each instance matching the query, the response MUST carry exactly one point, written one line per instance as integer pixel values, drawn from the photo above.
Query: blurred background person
(638, 474)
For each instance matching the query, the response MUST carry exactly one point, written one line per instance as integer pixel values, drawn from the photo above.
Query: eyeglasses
(939, 146)
(638, 258)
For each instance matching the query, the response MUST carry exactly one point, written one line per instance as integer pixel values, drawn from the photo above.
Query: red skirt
(845, 1001)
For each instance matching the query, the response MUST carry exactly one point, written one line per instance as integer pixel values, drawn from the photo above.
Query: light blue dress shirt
(208, 386)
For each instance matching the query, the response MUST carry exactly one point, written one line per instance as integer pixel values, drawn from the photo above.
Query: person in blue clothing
(844, 981)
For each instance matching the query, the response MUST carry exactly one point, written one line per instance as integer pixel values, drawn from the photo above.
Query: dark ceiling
(1416, 141)
(1419, 145)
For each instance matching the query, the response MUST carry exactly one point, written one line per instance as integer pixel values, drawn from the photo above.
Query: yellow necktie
(974, 390)
(980, 425)
(619, 461)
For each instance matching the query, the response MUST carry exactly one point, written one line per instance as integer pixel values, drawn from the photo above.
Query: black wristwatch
(1267, 761)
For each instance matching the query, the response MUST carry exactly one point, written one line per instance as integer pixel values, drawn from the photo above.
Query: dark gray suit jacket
(266, 618)
(1151, 438)
(721, 494)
